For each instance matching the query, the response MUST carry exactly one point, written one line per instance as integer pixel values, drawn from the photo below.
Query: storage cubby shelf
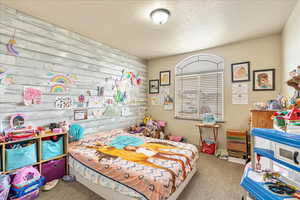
(258, 190)
(270, 154)
(38, 139)
(277, 136)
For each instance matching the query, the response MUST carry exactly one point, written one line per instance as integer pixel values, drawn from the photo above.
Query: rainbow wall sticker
(61, 79)
(58, 88)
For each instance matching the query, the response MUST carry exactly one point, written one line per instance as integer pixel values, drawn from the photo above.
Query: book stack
(237, 146)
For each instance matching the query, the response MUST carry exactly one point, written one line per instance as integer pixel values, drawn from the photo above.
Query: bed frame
(110, 194)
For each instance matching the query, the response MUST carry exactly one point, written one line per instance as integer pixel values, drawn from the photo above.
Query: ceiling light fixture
(160, 16)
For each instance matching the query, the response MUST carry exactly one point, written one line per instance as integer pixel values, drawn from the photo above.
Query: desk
(215, 129)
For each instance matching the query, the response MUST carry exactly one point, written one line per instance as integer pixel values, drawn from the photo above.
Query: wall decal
(32, 95)
(112, 111)
(95, 102)
(58, 88)
(168, 103)
(61, 79)
(63, 102)
(119, 96)
(125, 112)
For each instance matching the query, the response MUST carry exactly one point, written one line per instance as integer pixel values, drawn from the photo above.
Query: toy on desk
(274, 105)
(292, 120)
(209, 118)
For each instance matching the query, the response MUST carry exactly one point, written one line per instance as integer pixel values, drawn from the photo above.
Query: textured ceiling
(194, 24)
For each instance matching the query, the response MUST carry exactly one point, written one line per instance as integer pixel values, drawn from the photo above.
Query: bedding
(153, 168)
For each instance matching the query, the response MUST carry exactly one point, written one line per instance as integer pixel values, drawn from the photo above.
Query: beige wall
(290, 47)
(263, 53)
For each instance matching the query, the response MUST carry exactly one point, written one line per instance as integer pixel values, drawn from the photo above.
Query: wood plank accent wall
(45, 48)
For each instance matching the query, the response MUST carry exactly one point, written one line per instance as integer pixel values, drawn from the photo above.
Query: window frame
(221, 63)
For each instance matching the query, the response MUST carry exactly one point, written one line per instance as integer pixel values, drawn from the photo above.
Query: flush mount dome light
(160, 16)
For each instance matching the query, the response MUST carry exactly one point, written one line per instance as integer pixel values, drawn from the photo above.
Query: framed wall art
(240, 72)
(165, 78)
(264, 80)
(80, 114)
(154, 86)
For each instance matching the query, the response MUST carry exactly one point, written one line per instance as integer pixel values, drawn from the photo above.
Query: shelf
(34, 138)
(270, 154)
(38, 141)
(13, 170)
(257, 189)
(55, 158)
(277, 136)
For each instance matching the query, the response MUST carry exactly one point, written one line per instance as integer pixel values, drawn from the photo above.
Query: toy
(209, 118)
(146, 119)
(293, 121)
(278, 120)
(53, 126)
(17, 129)
(274, 105)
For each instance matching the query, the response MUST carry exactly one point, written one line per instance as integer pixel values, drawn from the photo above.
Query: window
(199, 87)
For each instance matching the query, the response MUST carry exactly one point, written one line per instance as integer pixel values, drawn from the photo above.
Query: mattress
(148, 176)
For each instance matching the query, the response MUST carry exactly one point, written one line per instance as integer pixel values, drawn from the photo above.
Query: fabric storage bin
(51, 149)
(54, 169)
(21, 156)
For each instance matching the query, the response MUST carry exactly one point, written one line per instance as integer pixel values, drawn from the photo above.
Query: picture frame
(154, 86)
(165, 78)
(81, 114)
(240, 72)
(264, 80)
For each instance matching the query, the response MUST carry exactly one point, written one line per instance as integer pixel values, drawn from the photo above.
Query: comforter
(154, 168)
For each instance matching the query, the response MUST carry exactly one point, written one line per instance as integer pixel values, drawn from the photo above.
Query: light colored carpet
(215, 180)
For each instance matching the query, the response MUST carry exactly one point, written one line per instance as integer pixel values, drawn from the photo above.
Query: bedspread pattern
(153, 183)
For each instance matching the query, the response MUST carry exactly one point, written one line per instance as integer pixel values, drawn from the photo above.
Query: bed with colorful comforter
(152, 168)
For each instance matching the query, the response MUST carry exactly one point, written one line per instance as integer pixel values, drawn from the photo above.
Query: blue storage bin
(21, 157)
(51, 149)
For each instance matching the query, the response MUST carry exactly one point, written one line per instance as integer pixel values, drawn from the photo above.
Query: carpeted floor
(215, 180)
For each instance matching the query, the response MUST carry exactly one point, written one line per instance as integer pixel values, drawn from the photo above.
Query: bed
(118, 165)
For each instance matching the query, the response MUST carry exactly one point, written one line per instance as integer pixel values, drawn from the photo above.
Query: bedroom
(187, 72)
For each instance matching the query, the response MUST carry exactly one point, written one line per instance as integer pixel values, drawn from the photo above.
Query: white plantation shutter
(199, 87)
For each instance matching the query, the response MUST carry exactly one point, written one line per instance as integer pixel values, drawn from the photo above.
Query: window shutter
(199, 92)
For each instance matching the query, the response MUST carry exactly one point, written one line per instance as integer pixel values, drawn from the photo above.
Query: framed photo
(80, 114)
(165, 78)
(240, 72)
(154, 86)
(264, 80)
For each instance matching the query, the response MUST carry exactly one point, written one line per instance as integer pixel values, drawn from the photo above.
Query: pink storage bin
(54, 169)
